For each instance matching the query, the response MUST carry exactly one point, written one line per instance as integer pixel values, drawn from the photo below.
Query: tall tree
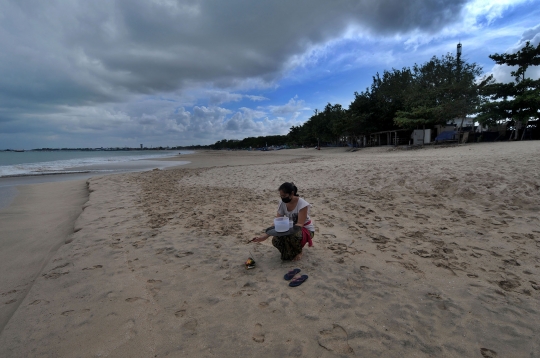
(442, 90)
(518, 101)
(374, 109)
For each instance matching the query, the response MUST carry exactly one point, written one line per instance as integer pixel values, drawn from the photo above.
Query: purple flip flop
(291, 274)
(298, 281)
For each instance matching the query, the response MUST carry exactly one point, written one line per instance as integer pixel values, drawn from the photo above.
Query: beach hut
(392, 137)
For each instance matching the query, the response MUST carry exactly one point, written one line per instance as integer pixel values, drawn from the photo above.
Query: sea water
(33, 163)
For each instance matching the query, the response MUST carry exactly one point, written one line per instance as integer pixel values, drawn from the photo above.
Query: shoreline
(35, 224)
(23, 198)
(81, 173)
(424, 253)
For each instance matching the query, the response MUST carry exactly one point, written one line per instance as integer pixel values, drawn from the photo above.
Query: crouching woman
(296, 209)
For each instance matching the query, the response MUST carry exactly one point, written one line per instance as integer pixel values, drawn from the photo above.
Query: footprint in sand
(10, 302)
(54, 275)
(182, 311)
(487, 353)
(61, 266)
(258, 334)
(138, 244)
(134, 299)
(263, 304)
(338, 247)
(191, 325)
(353, 284)
(93, 267)
(379, 239)
(421, 253)
(153, 286)
(8, 293)
(508, 285)
(183, 254)
(335, 340)
(512, 262)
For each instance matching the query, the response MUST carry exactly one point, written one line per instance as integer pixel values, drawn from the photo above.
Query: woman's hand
(260, 238)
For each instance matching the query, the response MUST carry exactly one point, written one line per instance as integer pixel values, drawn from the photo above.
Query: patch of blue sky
(332, 72)
(525, 13)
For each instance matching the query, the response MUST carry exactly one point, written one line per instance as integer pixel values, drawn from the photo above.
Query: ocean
(35, 167)
(33, 163)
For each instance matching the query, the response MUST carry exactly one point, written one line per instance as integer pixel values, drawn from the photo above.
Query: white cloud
(532, 35)
(122, 70)
(216, 97)
(501, 73)
(294, 107)
(220, 97)
(252, 113)
(256, 98)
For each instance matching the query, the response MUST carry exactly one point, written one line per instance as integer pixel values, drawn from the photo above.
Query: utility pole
(458, 65)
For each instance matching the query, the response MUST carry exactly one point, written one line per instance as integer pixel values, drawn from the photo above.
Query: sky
(108, 73)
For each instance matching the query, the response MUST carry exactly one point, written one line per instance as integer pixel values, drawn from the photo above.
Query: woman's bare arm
(263, 237)
(302, 216)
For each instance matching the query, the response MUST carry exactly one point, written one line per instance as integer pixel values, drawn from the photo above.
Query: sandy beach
(31, 230)
(431, 252)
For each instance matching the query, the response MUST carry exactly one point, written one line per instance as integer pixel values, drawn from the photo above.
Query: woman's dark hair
(289, 188)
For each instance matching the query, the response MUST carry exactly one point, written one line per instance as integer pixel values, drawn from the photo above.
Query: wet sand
(31, 230)
(417, 253)
(7, 194)
(37, 216)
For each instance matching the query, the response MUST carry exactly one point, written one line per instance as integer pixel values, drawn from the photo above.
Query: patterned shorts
(289, 246)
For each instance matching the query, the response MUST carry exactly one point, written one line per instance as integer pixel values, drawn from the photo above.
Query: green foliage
(325, 126)
(374, 109)
(416, 117)
(518, 101)
(251, 142)
(527, 56)
(435, 92)
(440, 91)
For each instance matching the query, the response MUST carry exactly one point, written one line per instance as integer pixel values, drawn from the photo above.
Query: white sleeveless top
(293, 215)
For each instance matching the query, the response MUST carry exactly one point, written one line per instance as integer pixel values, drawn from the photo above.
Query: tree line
(442, 90)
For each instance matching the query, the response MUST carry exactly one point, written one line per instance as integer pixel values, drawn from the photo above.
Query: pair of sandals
(297, 281)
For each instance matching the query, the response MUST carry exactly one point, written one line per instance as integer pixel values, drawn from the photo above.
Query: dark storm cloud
(84, 52)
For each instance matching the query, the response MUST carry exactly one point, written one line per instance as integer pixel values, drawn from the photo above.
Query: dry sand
(419, 253)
